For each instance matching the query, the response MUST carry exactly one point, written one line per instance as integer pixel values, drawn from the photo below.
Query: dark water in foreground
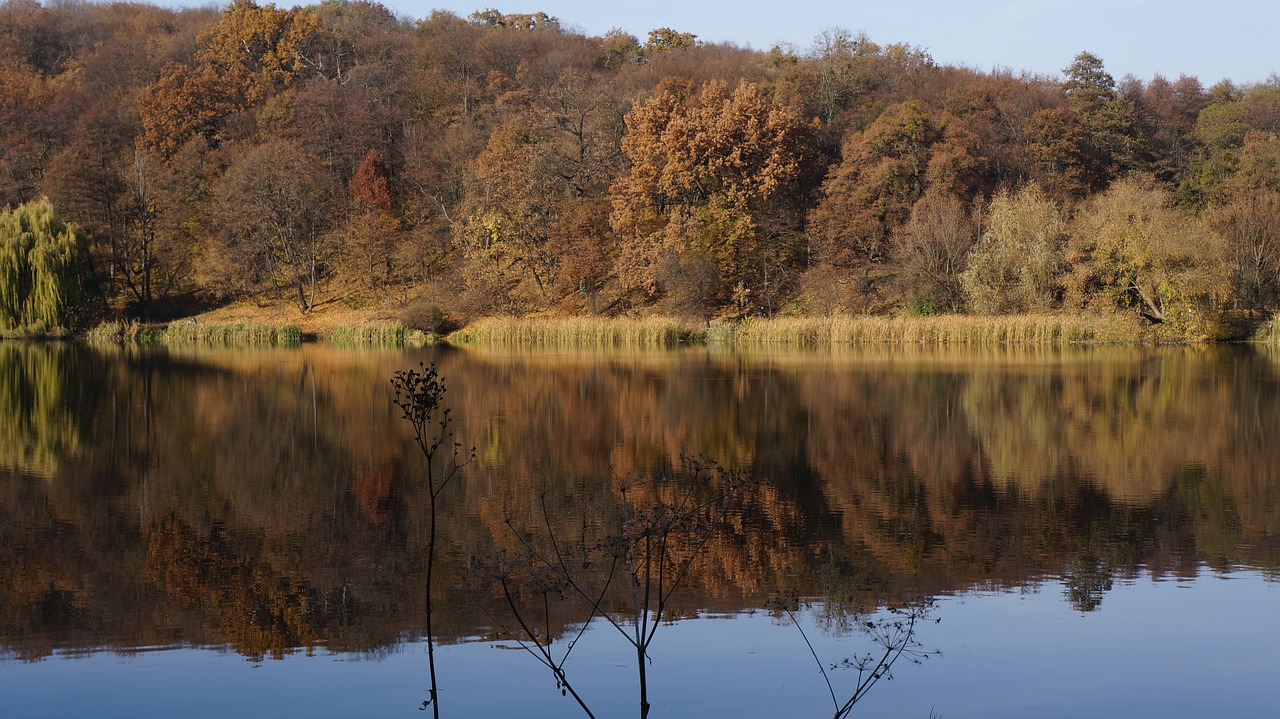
(243, 533)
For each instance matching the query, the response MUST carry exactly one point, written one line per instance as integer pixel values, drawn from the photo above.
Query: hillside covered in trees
(448, 168)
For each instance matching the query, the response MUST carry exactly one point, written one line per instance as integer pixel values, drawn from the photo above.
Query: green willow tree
(40, 262)
(1016, 264)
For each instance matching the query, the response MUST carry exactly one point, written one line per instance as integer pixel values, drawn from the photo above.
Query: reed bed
(186, 332)
(229, 335)
(579, 333)
(378, 334)
(116, 332)
(1042, 330)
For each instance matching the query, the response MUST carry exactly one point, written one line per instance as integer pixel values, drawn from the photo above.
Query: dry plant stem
(563, 574)
(825, 677)
(540, 651)
(864, 684)
(544, 651)
(418, 394)
(655, 576)
(896, 638)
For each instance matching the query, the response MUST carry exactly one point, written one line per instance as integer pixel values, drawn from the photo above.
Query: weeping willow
(40, 258)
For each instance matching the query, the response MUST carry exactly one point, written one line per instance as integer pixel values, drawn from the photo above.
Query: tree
(713, 172)
(141, 252)
(41, 266)
(275, 204)
(496, 20)
(1133, 250)
(1107, 119)
(838, 60)
(1257, 164)
(664, 39)
(26, 95)
(930, 251)
(371, 236)
(1249, 225)
(511, 206)
(1065, 164)
(185, 103)
(884, 171)
(1015, 266)
(252, 51)
(257, 47)
(1167, 112)
(845, 80)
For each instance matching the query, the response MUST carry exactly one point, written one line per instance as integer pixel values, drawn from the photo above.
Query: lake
(212, 533)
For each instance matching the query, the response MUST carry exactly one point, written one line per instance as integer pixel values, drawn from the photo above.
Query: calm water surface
(243, 533)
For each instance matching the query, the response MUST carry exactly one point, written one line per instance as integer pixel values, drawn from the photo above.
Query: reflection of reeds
(943, 329)
(378, 334)
(578, 332)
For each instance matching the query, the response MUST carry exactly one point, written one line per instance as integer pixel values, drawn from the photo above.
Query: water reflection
(42, 390)
(273, 501)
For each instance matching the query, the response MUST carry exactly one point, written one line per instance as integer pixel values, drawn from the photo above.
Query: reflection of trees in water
(1087, 579)
(880, 480)
(245, 602)
(1003, 471)
(43, 394)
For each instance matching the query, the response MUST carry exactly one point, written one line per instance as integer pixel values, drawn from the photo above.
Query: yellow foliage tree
(1132, 249)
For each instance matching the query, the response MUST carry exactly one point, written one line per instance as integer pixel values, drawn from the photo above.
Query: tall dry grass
(579, 332)
(187, 332)
(377, 334)
(941, 329)
(115, 332)
(229, 335)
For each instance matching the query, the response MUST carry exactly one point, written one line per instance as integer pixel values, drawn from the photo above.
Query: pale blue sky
(1211, 39)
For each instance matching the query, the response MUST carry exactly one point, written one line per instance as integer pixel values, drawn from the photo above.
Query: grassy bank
(579, 332)
(30, 334)
(248, 334)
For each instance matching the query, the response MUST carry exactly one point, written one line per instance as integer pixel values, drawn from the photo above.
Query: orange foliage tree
(251, 51)
(715, 177)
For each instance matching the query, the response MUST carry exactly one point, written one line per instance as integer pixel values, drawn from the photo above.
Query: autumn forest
(449, 168)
